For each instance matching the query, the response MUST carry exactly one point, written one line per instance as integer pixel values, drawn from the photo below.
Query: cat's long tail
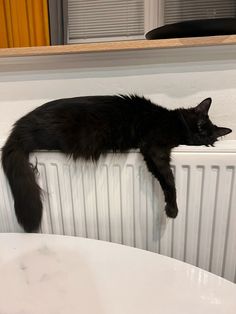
(25, 190)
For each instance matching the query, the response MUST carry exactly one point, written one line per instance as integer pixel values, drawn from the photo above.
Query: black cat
(90, 126)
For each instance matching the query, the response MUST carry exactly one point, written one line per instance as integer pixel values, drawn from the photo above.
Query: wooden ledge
(118, 46)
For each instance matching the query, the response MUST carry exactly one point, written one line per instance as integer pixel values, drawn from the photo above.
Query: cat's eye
(202, 126)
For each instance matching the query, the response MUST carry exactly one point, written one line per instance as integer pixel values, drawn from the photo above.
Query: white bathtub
(67, 275)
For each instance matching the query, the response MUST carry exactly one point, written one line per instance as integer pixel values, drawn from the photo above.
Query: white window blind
(95, 20)
(183, 10)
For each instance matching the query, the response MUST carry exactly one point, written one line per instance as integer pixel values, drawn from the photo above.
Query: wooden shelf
(118, 46)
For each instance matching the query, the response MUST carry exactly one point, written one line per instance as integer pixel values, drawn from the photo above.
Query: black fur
(90, 126)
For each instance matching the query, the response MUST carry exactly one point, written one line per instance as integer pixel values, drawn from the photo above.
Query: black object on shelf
(194, 28)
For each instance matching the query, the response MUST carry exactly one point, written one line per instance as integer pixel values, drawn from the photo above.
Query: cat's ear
(204, 106)
(218, 132)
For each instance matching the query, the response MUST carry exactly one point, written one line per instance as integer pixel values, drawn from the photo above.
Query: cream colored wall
(170, 77)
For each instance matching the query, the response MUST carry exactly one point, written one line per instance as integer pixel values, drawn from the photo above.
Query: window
(101, 20)
(76, 21)
(183, 10)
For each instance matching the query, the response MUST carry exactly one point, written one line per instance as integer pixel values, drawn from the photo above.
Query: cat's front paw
(171, 210)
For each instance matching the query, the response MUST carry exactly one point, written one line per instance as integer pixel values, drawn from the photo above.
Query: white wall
(170, 77)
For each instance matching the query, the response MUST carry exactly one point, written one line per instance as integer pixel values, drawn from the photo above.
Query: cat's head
(200, 128)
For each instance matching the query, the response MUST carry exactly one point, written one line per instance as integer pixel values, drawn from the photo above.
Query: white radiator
(118, 200)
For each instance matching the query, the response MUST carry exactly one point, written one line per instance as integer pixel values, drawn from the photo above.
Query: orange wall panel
(4, 40)
(24, 23)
